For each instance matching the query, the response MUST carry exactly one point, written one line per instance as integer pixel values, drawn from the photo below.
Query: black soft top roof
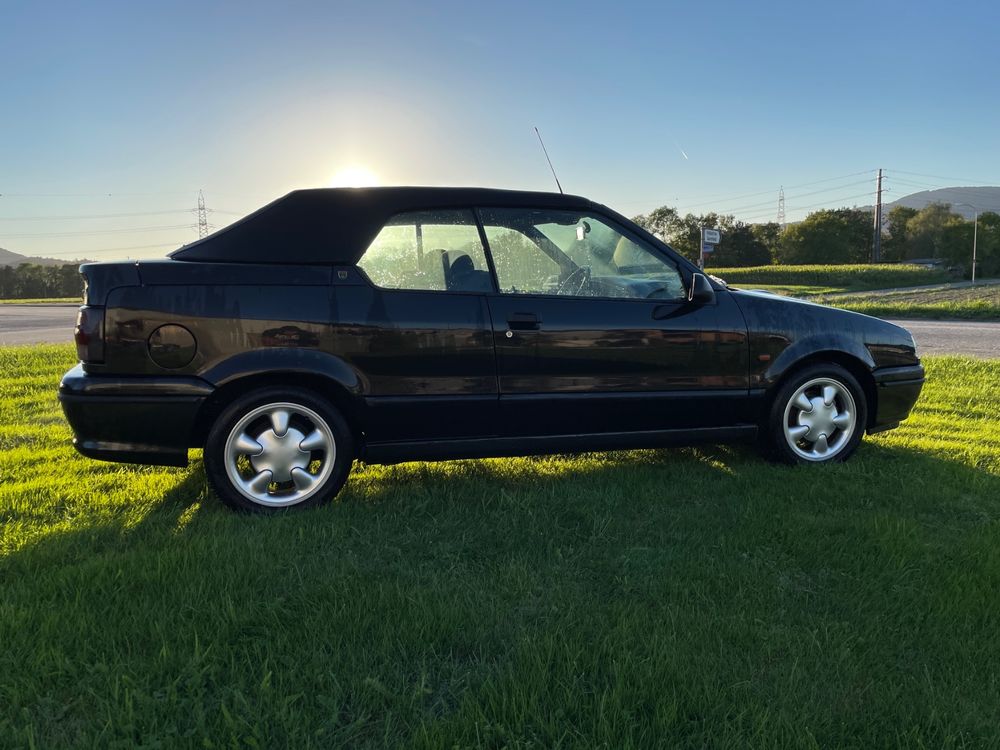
(336, 225)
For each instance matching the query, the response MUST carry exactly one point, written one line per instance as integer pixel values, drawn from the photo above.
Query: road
(970, 337)
(37, 324)
(30, 324)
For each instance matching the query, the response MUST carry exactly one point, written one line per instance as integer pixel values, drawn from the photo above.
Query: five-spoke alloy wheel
(817, 415)
(278, 448)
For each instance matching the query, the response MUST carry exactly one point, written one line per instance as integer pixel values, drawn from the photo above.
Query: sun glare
(354, 176)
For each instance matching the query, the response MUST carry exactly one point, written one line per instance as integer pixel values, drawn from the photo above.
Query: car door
(423, 341)
(594, 332)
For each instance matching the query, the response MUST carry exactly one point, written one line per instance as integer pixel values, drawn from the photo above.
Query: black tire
(312, 480)
(776, 443)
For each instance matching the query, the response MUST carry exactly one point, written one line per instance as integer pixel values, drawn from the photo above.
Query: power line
(90, 195)
(25, 235)
(791, 187)
(74, 217)
(756, 215)
(722, 198)
(770, 203)
(911, 184)
(939, 177)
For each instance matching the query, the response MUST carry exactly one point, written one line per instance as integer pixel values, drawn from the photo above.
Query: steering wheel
(583, 272)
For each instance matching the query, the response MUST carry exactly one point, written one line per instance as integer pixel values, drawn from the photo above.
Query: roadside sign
(708, 248)
(710, 236)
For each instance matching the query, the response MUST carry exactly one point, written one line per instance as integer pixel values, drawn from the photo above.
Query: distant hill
(9, 258)
(984, 198)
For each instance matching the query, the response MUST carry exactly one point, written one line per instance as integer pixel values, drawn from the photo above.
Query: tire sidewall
(776, 444)
(215, 458)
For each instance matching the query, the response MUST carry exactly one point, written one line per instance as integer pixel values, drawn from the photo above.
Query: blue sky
(130, 108)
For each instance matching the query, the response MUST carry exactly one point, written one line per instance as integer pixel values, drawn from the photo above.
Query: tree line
(34, 281)
(831, 236)
(836, 236)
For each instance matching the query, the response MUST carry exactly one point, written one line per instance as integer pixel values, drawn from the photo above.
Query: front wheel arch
(860, 370)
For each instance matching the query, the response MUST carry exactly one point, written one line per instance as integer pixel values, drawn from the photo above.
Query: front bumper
(897, 391)
(143, 420)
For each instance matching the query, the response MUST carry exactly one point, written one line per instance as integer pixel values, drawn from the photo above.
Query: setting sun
(354, 176)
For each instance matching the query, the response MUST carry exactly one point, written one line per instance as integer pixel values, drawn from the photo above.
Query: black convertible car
(397, 324)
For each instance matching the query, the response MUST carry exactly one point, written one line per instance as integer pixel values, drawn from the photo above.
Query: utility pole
(877, 243)
(975, 236)
(781, 207)
(202, 216)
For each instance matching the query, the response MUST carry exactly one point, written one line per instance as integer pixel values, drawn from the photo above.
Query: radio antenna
(544, 151)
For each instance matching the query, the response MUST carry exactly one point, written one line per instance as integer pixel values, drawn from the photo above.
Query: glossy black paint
(422, 374)
(586, 361)
(139, 420)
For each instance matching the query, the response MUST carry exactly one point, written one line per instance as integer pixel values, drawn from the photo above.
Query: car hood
(782, 299)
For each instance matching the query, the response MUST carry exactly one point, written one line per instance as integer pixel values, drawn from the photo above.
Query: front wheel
(817, 416)
(278, 448)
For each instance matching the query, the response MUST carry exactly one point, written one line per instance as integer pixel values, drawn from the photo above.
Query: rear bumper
(144, 420)
(897, 389)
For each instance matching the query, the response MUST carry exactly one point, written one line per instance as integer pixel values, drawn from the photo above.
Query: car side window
(574, 254)
(428, 250)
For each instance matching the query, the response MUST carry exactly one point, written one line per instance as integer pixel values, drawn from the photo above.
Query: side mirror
(701, 291)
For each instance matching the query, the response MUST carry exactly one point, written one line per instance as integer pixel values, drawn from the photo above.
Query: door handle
(524, 322)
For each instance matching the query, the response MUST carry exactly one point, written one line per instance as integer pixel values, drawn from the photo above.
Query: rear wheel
(278, 448)
(818, 415)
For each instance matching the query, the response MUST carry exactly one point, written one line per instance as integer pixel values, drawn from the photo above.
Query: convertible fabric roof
(336, 225)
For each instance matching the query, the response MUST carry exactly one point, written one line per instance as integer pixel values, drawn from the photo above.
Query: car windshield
(594, 244)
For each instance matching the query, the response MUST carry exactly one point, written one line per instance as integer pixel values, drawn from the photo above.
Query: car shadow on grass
(880, 478)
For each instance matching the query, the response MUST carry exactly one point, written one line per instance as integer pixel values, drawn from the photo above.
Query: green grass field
(42, 301)
(830, 279)
(690, 598)
(832, 285)
(980, 303)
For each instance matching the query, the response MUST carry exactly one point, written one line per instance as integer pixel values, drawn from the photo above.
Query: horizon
(122, 113)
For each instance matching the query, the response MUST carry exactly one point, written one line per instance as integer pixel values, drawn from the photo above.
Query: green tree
(682, 233)
(8, 282)
(663, 222)
(769, 235)
(839, 236)
(935, 232)
(740, 246)
(988, 245)
(70, 281)
(31, 280)
(895, 239)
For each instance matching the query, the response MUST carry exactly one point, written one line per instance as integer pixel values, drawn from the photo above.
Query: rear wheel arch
(322, 386)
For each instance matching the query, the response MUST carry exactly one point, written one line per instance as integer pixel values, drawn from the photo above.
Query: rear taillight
(89, 334)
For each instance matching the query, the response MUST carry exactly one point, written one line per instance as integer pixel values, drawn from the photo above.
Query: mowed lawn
(980, 302)
(689, 598)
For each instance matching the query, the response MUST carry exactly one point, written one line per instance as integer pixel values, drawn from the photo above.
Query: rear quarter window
(428, 250)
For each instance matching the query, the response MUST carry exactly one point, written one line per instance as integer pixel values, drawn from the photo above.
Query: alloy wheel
(279, 454)
(820, 418)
